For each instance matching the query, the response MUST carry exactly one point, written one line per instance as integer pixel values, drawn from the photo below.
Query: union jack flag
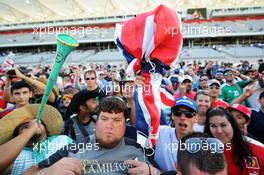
(150, 42)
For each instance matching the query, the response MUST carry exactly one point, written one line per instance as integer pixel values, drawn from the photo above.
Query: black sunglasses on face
(89, 78)
(214, 87)
(187, 114)
(204, 80)
(228, 74)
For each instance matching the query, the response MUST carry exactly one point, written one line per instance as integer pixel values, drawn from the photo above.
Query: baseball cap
(176, 71)
(174, 79)
(219, 71)
(187, 102)
(185, 77)
(214, 81)
(241, 108)
(100, 73)
(227, 70)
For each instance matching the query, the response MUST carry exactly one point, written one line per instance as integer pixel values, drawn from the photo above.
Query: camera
(11, 73)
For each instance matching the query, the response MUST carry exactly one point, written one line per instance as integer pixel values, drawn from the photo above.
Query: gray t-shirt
(100, 160)
(90, 129)
(73, 129)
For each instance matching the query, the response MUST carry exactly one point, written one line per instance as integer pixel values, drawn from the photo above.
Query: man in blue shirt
(183, 116)
(256, 125)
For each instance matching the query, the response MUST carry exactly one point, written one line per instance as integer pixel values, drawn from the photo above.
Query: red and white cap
(241, 108)
(185, 77)
(214, 81)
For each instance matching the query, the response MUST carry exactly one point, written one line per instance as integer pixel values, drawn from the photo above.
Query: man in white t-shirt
(166, 148)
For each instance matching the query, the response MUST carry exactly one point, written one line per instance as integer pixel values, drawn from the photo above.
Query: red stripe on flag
(137, 66)
(165, 100)
(151, 107)
(133, 34)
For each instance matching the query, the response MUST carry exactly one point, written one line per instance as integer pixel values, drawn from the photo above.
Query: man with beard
(106, 152)
(24, 143)
(231, 89)
(80, 116)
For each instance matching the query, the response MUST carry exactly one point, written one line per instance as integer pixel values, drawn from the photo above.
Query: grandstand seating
(221, 22)
(229, 53)
(194, 29)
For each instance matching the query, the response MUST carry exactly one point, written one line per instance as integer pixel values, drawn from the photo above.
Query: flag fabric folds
(151, 43)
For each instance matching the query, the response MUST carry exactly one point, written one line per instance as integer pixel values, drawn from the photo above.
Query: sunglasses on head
(187, 114)
(89, 78)
(194, 145)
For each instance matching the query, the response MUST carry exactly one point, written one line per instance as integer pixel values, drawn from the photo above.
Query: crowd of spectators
(89, 123)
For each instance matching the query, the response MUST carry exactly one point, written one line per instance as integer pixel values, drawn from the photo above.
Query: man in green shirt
(233, 89)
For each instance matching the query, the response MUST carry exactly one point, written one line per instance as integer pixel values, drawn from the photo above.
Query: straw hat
(51, 118)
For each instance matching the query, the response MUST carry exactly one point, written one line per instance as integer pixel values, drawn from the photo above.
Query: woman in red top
(244, 156)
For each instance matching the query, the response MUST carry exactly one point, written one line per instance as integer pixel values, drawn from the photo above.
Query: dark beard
(102, 144)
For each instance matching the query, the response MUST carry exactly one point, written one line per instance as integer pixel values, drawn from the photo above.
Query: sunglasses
(66, 97)
(204, 80)
(214, 87)
(194, 145)
(228, 74)
(187, 114)
(89, 78)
